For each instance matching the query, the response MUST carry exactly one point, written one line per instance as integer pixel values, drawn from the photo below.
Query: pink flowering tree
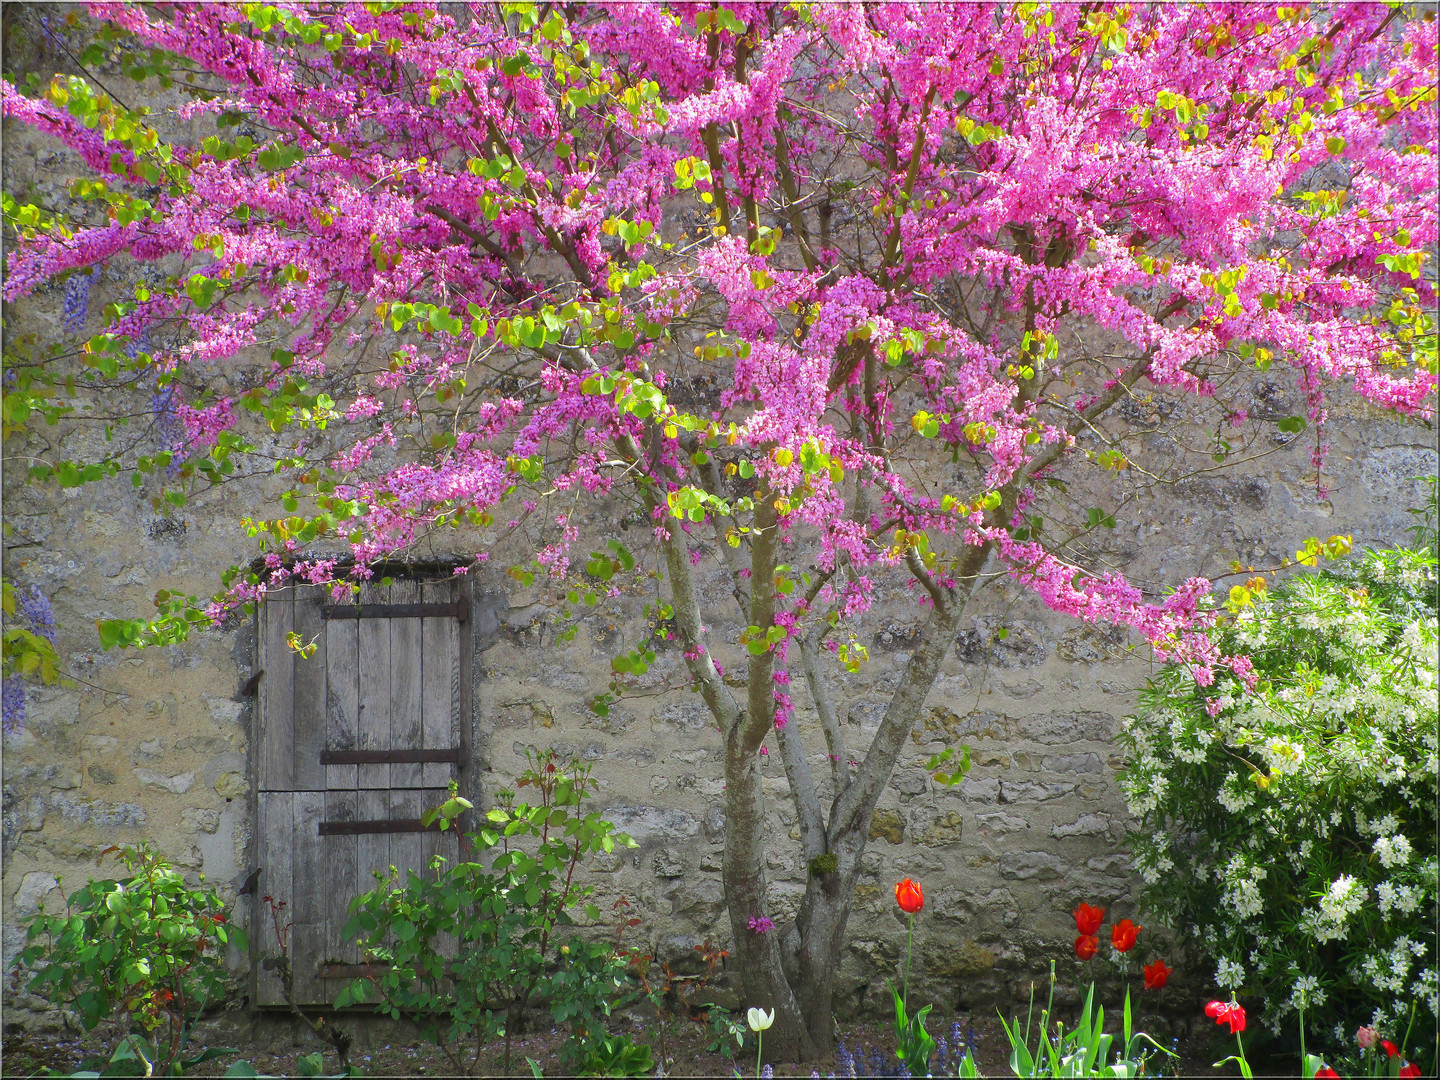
(811, 285)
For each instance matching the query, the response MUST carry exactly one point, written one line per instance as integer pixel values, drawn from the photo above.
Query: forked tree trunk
(793, 970)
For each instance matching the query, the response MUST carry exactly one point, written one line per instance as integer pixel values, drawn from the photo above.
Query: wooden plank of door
(342, 698)
(448, 845)
(408, 849)
(276, 830)
(405, 686)
(373, 848)
(439, 650)
(374, 663)
(277, 732)
(309, 693)
(342, 881)
(307, 936)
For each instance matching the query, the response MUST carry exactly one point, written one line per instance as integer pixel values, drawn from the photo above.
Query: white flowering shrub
(1288, 828)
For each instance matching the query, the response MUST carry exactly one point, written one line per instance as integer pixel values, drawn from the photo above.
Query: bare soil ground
(385, 1049)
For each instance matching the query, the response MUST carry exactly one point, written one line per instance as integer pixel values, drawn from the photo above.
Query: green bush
(465, 949)
(148, 944)
(1288, 832)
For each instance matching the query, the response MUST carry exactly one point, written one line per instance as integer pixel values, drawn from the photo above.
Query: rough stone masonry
(156, 745)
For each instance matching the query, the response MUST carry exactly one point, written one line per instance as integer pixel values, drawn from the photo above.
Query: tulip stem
(1301, 1011)
(909, 944)
(759, 1056)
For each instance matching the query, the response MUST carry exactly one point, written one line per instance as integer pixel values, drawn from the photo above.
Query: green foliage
(24, 651)
(150, 944)
(614, 1055)
(135, 1055)
(466, 947)
(1083, 1051)
(937, 762)
(913, 1044)
(1288, 832)
(824, 864)
(310, 1065)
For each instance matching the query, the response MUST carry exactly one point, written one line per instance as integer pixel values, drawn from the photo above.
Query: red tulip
(1156, 974)
(1088, 919)
(909, 896)
(1390, 1048)
(1410, 1069)
(1123, 935)
(1085, 946)
(1326, 1071)
(1227, 1012)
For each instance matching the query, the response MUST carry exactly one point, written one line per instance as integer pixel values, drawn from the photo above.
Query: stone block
(964, 961)
(1012, 791)
(190, 858)
(223, 711)
(1091, 643)
(1072, 763)
(1084, 825)
(943, 724)
(910, 783)
(1110, 864)
(220, 764)
(1032, 865)
(998, 824)
(689, 717)
(116, 815)
(101, 775)
(30, 897)
(668, 863)
(149, 750)
(944, 830)
(984, 789)
(198, 819)
(702, 899)
(879, 954)
(99, 744)
(70, 849)
(178, 783)
(647, 823)
(887, 825)
(1067, 727)
(232, 785)
(31, 813)
(207, 745)
(1021, 688)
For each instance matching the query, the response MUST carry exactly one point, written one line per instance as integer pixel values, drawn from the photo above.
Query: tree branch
(852, 807)
(825, 708)
(762, 615)
(802, 789)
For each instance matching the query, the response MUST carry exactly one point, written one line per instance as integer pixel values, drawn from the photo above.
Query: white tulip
(760, 1020)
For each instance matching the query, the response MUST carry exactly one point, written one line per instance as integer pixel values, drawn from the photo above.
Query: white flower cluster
(1390, 969)
(1392, 851)
(1319, 784)
(1344, 898)
(1230, 973)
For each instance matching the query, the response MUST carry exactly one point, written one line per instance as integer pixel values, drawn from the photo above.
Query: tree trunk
(795, 974)
(762, 976)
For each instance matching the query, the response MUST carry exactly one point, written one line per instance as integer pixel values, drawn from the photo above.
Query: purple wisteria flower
(12, 694)
(35, 606)
(76, 303)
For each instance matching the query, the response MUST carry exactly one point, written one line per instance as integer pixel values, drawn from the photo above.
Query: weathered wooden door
(353, 743)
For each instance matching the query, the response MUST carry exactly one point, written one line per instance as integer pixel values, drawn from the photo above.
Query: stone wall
(155, 745)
